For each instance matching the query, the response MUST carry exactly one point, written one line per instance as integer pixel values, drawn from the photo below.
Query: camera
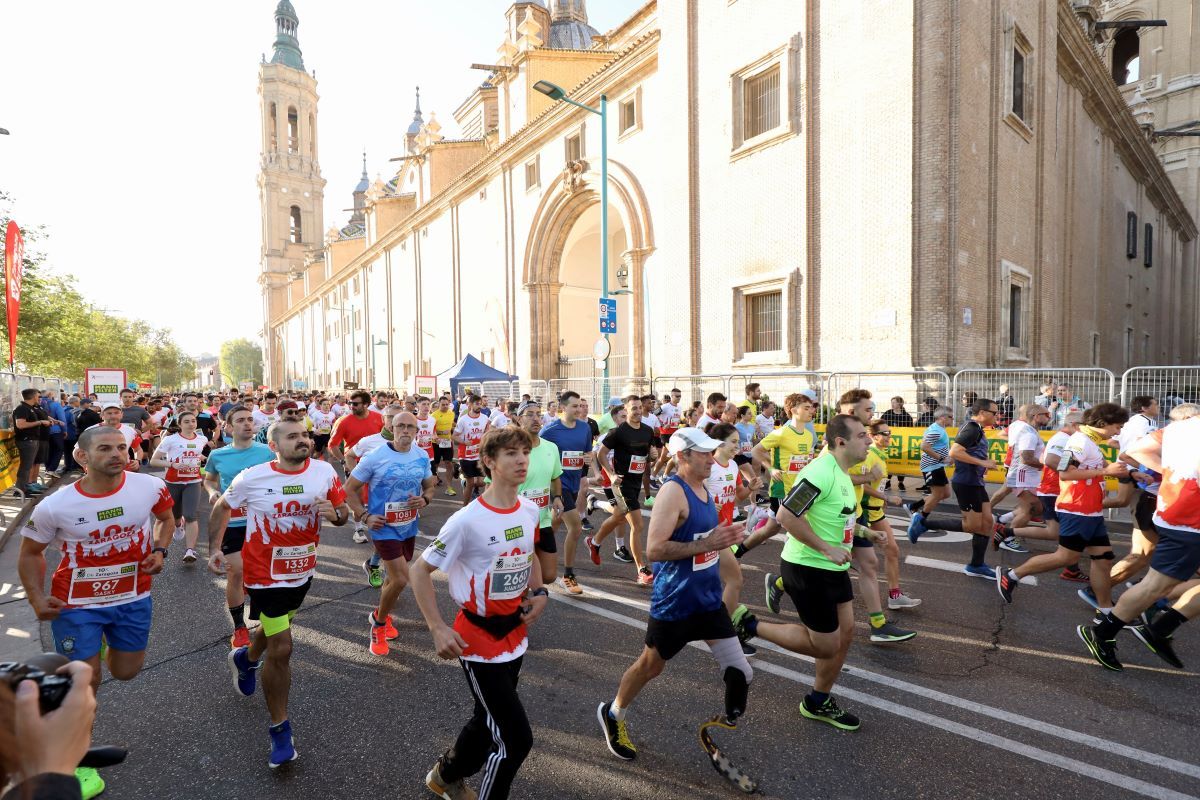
(41, 670)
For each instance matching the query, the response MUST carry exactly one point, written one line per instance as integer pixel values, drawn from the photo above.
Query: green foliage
(241, 360)
(60, 333)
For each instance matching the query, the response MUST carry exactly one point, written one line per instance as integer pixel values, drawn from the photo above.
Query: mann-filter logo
(514, 533)
(111, 513)
(104, 388)
(293, 490)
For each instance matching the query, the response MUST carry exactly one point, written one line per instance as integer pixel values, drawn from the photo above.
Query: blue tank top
(690, 585)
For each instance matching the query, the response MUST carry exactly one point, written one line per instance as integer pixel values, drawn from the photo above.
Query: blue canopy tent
(470, 370)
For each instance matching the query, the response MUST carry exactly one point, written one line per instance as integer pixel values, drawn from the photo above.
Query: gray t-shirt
(135, 416)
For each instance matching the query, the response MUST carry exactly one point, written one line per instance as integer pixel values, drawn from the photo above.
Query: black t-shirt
(86, 418)
(595, 427)
(631, 451)
(974, 441)
(30, 414)
(206, 424)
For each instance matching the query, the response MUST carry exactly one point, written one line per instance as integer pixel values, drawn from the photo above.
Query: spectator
(56, 439)
(32, 425)
(1005, 405)
(71, 411)
(927, 416)
(897, 417)
(88, 415)
(1046, 397)
(968, 400)
(1065, 401)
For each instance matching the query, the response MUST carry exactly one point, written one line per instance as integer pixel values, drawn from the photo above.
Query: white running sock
(616, 712)
(620, 541)
(1007, 518)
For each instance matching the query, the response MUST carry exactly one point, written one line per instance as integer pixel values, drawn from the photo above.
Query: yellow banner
(904, 456)
(10, 460)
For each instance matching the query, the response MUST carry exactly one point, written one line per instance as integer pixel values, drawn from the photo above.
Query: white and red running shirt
(1026, 437)
(487, 554)
(1049, 486)
(1086, 497)
(133, 440)
(183, 457)
(1179, 493)
(722, 483)
(283, 526)
(425, 435)
(470, 430)
(103, 539)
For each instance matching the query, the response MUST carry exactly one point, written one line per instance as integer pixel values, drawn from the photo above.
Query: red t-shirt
(349, 428)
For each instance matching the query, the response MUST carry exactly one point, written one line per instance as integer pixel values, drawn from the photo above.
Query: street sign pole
(604, 220)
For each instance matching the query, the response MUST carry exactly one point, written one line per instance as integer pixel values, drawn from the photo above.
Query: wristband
(541, 591)
(162, 550)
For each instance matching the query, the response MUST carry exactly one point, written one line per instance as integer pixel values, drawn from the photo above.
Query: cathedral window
(293, 131)
(1126, 57)
(273, 124)
(295, 232)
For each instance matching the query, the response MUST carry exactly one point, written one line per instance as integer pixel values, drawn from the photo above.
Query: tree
(242, 360)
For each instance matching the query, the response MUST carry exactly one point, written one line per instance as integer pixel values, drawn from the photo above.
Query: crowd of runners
(686, 490)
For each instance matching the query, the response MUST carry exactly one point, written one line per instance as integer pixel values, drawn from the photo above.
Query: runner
(487, 544)
(727, 488)
(368, 444)
(584, 496)
(348, 430)
(818, 514)
(1142, 423)
(285, 501)
(225, 544)
(1080, 508)
(426, 430)
(669, 419)
(685, 541)
(573, 438)
(1025, 448)
(263, 417)
(714, 408)
(970, 454)
(322, 421)
(873, 517)
(542, 486)
(100, 591)
(400, 484)
(443, 452)
(468, 434)
(182, 455)
(1176, 558)
(630, 446)
(111, 416)
(782, 454)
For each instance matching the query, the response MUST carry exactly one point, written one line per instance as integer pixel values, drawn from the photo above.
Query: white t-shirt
(498, 419)
(322, 421)
(470, 430)
(1026, 438)
(262, 420)
(764, 425)
(367, 444)
(426, 433)
(668, 416)
(704, 421)
(1138, 426)
(183, 456)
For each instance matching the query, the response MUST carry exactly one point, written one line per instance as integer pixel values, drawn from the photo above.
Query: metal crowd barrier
(1170, 385)
(1091, 384)
(914, 386)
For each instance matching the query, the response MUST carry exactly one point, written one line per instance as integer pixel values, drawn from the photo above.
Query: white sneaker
(360, 534)
(189, 556)
(178, 535)
(903, 601)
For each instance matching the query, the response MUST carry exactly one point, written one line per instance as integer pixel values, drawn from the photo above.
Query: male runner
(542, 485)
(263, 417)
(782, 454)
(1025, 448)
(468, 434)
(935, 457)
(400, 484)
(348, 430)
(225, 544)
(630, 446)
(714, 408)
(100, 591)
(670, 416)
(443, 452)
(426, 430)
(685, 541)
(487, 552)
(818, 514)
(573, 438)
(1142, 423)
(970, 454)
(285, 501)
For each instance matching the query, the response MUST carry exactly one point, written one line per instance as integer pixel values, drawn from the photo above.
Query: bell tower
(290, 187)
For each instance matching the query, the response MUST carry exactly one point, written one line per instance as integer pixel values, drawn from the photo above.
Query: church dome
(569, 28)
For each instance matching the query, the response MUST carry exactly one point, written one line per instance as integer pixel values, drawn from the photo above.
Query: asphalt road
(988, 701)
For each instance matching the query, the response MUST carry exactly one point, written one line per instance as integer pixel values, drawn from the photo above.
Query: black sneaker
(1159, 645)
(615, 734)
(749, 649)
(623, 555)
(586, 524)
(1149, 614)
(772, 592)
(1006, 585)
(743, 620)
(829, 712)
(1104, 652)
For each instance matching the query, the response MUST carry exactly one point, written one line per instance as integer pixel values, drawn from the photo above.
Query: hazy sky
(135, 132)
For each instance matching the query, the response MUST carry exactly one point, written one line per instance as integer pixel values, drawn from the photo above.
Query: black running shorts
(970, 496)
(668, 637)
(817, 593)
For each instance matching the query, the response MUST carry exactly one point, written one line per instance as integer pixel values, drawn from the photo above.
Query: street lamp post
(556, 92)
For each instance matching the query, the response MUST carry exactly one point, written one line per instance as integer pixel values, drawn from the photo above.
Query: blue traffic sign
(608, 315)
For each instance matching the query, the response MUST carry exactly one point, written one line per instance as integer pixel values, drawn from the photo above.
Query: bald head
(404, 430)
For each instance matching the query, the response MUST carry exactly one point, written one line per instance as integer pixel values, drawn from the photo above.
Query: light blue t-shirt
(393, 478)
(229, 462)
(939, 442)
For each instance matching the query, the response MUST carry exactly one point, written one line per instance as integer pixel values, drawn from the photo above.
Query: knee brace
(1108, 556)
(737, 689)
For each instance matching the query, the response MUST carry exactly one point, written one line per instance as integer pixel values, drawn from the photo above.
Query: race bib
(746, 447)
(637, 464)
(540, 497)
(798, 462)
(444, 441)
(509, 576)
(238, 513)
(103, 584)
(572, 459)
(323, 429)
(424, 437)
(704, 560)
(471, 452)
(848, 532)
(188, 466)
(398, 513)
(293, 563)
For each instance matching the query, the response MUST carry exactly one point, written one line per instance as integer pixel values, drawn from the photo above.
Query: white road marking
(950, 566)
(18, 633)
(991, 712)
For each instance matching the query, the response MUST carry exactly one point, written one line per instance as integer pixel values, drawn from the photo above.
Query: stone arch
(558, 211)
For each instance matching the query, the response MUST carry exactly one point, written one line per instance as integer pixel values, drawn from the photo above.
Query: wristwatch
(162, 550)
(541, 591)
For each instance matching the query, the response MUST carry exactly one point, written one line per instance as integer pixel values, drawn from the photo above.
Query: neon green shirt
(544, 466)
(791, 451)
(831, 515)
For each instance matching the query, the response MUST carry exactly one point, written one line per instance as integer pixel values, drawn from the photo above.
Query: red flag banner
(14, 261)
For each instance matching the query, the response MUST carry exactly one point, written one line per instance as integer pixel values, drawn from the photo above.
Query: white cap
(692, 439)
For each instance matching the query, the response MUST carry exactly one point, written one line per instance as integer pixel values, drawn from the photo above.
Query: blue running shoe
(244, 679)
(282, 749)
(982, 571)
(1088, 596)
(916, 527)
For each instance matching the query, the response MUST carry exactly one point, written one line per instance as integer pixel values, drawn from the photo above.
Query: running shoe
(1088, 596)
(189, 556)
(450, 492)
(655, 484)
(586, 524)
(916, 527)
(1150, 613)
(569, 584)
(772, 592)
(649, 502)
(1006, 585)
(902, 601)
(887, 632)
(90, 783)
(379, 645)
(389, 629)
(34, 488)
(645, 577)
(244, 679)
(1073, 574)
(360, 534)
(593, 550)
(282, 748)
(177, 536)
(615, 734)
(622, 554)
(590, 504)
(1159, 645)
(997, 534)
(374, 574)
(982, 571)
(456, 790)
(1014, 545)
(743, 621)
(749, 650)
(831, 713)
(240, 638)
(1104, 652)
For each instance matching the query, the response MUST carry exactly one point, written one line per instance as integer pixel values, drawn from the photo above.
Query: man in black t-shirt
(969, 452)
(32, 435)
(630, 446)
